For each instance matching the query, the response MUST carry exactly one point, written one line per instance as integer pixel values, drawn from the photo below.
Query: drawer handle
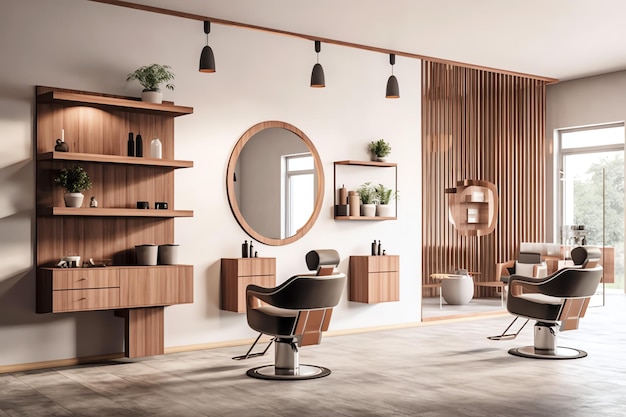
(82, 298)
(83, 279)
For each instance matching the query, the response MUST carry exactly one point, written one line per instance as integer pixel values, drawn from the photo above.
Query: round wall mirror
(275, 183)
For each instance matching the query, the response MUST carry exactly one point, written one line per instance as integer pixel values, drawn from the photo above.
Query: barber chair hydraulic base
(545, 345)
(286, 364)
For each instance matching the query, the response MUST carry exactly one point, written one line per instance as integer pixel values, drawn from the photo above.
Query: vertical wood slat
(486, 126)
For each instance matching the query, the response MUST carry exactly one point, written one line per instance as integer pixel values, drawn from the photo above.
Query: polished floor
(440, 369)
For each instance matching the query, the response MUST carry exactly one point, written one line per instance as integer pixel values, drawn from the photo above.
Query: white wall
(89, 46)
(583, 102)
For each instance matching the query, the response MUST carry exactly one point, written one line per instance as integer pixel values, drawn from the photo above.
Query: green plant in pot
(379, 149)
(74, 180)
(151, 77)
(368, 201)
(383, 196)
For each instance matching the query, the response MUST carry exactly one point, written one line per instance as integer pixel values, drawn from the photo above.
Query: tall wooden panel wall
(488, 126)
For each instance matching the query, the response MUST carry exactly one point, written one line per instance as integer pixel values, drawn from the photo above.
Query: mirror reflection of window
(298, 192)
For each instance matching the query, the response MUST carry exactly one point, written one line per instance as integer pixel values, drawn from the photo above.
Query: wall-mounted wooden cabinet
(96, 129)
(374, 279)
(372, 164)
(237, 273)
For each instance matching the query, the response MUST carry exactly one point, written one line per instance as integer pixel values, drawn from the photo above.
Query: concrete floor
(443, 368)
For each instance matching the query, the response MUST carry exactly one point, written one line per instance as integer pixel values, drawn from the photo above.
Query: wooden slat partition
(488, 126)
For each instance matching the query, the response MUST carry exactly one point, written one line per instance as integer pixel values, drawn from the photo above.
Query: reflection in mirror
(275, 182)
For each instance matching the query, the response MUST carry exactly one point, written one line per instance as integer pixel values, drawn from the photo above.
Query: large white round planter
(385, 210)
(368, 210)
(73, 199)
(152, 96)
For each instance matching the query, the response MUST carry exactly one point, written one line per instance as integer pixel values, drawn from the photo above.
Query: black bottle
(244, 249)
(251, 250)
(131, 144)
(374, 248)
(139, 146)
(379, 248)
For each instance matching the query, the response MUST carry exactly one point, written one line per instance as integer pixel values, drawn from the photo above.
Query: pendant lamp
(393, 91)
(317, 76)
(207, 60)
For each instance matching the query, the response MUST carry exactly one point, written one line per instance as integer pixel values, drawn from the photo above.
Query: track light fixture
(317, 76)
(207, 60)
(393, 91)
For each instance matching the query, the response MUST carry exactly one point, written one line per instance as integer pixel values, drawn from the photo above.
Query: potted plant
(151, 77)
(367, 197)
(379, 149)
(383, 196)
(74, 180)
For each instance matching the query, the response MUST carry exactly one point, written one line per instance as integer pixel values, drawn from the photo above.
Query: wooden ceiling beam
(216, 20)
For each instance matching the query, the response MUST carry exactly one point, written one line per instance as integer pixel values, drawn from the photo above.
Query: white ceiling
(562, 39)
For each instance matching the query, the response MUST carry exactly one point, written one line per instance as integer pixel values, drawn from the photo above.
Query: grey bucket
(146, 254)
(168, 254)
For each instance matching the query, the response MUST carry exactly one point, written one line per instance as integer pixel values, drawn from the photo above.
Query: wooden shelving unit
(373, 164)
(96, 128)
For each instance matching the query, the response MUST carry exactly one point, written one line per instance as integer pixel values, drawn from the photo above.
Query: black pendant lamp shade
(393, 90)
(317, 76)
(207, 60)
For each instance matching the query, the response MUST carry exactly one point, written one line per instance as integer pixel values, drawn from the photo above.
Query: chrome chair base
(302, 372)
(558, 353)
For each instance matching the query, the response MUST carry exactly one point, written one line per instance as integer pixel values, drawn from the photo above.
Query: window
(299, 191)
(591, 188)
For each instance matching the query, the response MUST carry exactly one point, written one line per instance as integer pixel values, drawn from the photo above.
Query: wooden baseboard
(59, 363)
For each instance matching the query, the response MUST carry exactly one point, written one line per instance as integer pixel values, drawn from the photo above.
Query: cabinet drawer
(156, 286)
(81, 300)
(256, 266)
(383, 263)
(85, 278)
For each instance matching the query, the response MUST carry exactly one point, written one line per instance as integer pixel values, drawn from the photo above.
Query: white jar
(156, 149)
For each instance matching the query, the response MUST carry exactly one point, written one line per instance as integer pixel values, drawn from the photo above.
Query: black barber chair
(557, 302)
(296, 313)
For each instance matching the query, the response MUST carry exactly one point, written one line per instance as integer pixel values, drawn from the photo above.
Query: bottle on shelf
(131, 144)
(139, 146)
(244, 249)
(354, 203)
(156, 149)
(374, 248)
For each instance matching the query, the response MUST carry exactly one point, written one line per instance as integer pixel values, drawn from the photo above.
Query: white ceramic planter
(152, 96)
(385, 210)
(73, 199)
(368, 210)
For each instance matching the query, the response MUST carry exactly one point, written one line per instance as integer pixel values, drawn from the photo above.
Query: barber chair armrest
(520, 284)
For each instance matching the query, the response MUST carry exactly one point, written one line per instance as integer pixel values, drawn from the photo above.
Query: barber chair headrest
(322, 259)
(587, 256)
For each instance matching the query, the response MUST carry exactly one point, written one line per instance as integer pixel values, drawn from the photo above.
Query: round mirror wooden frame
(230, 183)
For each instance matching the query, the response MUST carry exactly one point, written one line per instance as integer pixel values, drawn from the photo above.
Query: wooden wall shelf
(104, 101)
(367, 163)
(113, 212)
(364, 218)
(373, 164)
(112, 159)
